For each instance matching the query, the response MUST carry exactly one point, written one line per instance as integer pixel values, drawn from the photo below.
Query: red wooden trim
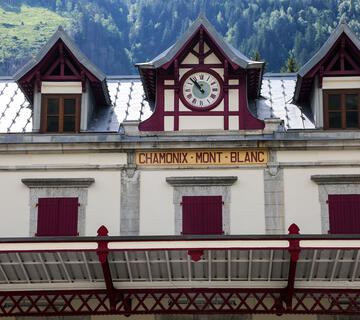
(342, 54)
(201, 46)
(71, 67)
(332, 62)
(342, 73)
(52, 67)
(226, 95)
(38, 81)
(208, 65)
(352, 62)
(176, 96)
(209, 53)
(156, 120)
(60, 78)
(61, 55)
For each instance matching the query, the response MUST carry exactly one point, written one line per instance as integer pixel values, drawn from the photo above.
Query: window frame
(342, 110)
(61, 97)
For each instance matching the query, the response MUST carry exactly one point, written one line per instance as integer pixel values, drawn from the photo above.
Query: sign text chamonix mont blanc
(202, 157)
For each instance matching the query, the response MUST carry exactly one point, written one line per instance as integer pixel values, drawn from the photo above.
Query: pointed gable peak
(324, 59)
(54, 49)
(334, 36)
(60, 34)
(233, 55)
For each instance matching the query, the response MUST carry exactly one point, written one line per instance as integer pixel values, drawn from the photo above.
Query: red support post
(102, 253)
(294, 250)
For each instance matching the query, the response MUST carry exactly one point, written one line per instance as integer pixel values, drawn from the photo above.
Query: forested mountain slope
(115, 34)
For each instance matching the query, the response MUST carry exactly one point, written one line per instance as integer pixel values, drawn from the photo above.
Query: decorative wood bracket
(196, 254)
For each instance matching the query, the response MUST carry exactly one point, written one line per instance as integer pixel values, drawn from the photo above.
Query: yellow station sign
(202, 158)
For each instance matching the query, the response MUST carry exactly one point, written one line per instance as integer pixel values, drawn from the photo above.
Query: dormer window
(341, 109)
(63, 87)
(61, 113)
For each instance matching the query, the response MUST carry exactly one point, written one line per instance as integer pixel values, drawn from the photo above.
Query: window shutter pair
(57, 217)
(202, 215)
(344, 213)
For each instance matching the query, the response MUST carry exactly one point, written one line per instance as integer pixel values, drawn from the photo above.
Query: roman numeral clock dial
(201, 90)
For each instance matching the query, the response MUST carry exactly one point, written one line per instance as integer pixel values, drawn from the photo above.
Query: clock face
(201, 90)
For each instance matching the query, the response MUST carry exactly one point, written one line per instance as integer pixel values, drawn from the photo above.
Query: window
(344, 213)
(202, 215)
(57, 217)
(341, 109)
(60, 113)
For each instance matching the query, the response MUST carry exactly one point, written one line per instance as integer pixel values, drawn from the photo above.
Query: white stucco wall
(103, 205)
(301, 194)
(157, 213)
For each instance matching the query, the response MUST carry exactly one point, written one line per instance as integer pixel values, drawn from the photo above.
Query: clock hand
(197, 85)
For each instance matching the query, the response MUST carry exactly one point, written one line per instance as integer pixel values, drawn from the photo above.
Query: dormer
(63, 87)
(330, 82)
(201, 83)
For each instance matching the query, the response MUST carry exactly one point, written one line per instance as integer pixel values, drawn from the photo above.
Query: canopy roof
(178, 274)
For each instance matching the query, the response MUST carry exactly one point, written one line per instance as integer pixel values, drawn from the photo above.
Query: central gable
(201, 82)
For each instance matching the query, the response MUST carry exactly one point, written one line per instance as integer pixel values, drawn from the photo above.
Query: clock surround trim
(205, 69)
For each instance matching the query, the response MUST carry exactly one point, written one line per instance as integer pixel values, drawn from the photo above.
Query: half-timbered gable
(63, 87)
(330, 82)
(201, 82)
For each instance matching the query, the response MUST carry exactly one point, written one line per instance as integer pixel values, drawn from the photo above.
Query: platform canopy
(294, 274)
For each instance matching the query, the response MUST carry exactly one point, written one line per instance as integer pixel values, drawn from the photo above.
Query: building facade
(201, 189)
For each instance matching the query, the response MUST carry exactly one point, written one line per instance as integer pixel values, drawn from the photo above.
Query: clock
(201, 89)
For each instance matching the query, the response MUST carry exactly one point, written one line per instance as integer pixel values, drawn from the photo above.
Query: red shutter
(344, 213)
(47, 217)
(57, 217)
(202, 215)
(68, 217)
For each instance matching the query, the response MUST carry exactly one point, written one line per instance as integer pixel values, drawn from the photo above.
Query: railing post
(102, 253)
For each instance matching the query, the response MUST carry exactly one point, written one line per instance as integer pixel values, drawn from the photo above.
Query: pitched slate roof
(128, 103)
(276, 101)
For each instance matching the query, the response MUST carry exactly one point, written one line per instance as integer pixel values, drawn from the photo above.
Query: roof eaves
(60, 34)
(341, 28)
(233, 54)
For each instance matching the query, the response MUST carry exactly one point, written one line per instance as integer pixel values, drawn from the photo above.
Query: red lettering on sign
(184, 160)
(162, 157)
(149, 158)
(140, 158)
(262, 158)
(247, 157)
(254, 157)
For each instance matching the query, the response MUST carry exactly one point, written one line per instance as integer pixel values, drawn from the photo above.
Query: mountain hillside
(115, 34)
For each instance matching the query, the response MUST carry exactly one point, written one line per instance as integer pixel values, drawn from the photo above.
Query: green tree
(256, 57)
(291, 65)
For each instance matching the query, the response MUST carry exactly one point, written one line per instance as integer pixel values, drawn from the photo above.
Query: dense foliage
(115, 34)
